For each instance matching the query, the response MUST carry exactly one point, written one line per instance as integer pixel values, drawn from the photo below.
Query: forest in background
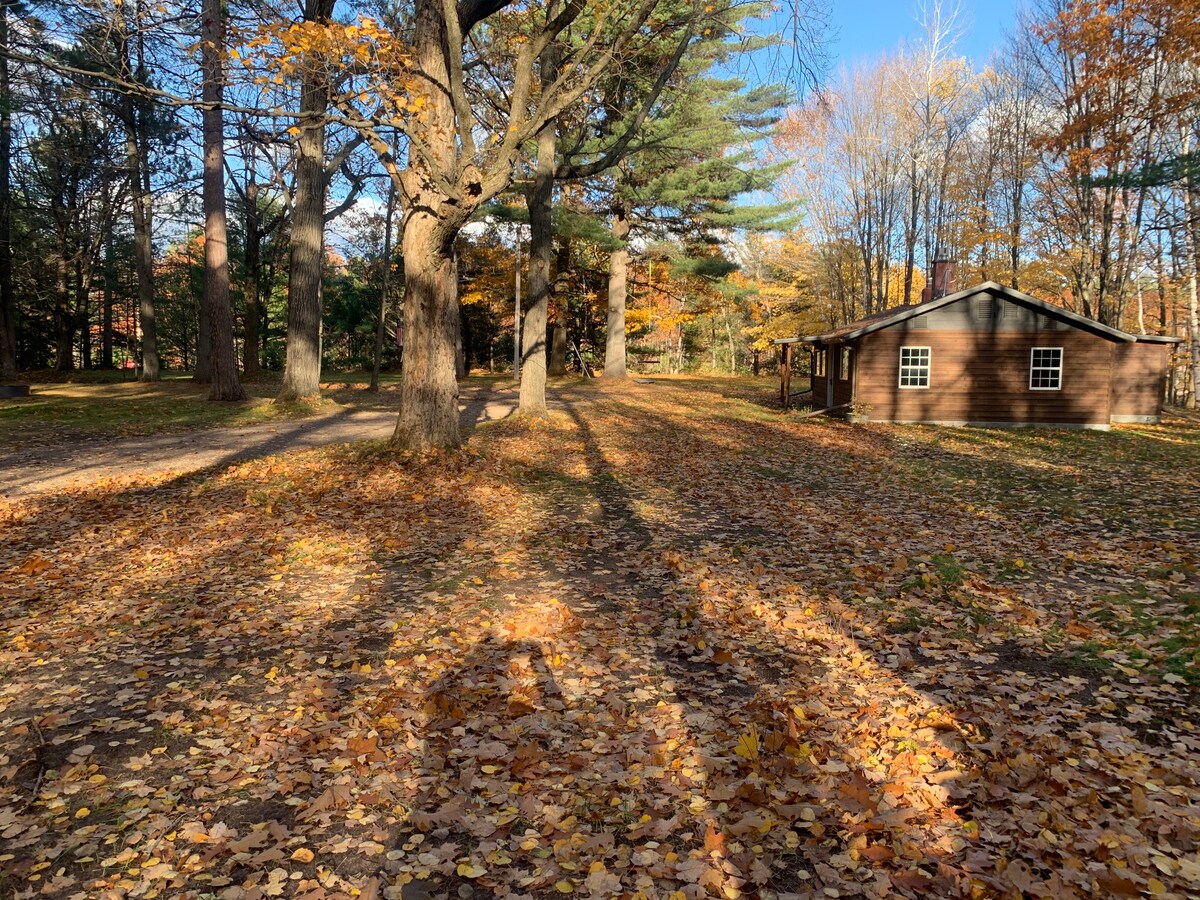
(1066, 168)
(678, 204)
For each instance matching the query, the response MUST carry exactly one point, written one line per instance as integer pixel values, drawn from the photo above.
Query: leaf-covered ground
(668, 644)
(98, 405)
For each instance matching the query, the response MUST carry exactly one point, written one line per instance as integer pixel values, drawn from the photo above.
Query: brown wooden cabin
(988, 355)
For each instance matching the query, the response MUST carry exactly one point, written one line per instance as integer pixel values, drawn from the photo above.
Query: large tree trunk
(302, 367)
(8, 308)
(429, 390)
(225, 383)
(541, 258)
(618, 288)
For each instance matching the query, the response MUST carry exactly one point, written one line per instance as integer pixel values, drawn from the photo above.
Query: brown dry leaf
(506, 660)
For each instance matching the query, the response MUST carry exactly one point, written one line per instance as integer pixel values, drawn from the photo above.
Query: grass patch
(131, 408)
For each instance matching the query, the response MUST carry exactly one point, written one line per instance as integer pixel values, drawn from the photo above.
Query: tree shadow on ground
(595, 617)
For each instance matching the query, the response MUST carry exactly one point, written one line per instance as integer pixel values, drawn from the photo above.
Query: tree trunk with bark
(385, 284)
(1193, 302)
(252, 344)
(541, 257)
(143, 251)
(83, 313)
(64, 319)
(429, 390)
(302, 366)
(8, 308)
(109, 298)
(138, 168)
(558, 350)
(225, 382)
(618, 288)
(203, 372)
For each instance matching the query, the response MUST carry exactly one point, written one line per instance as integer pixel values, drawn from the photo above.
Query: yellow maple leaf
(749, 744)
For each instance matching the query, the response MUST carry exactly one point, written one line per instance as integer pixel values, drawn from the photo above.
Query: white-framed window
(914, 367)
(1045, 368)
(844, 365)
(818, 363)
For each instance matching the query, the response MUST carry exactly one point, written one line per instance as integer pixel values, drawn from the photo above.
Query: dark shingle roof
(898, 314)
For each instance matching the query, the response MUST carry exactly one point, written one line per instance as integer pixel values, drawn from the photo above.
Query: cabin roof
(898, 314)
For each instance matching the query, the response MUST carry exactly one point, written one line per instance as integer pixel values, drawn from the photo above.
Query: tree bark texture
(541, 258)
(429, 388)
(8, 308)
(302, 366)
(225, 384)
(618, 287)
(558, 350)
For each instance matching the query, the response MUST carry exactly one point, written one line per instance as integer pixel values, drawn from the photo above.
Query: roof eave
(1074, 319)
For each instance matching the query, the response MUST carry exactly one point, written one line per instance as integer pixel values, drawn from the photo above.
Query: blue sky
(866, 28)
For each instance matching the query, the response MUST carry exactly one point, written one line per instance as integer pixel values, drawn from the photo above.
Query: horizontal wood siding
(819, 386)
(1139, 379)
(978, 376)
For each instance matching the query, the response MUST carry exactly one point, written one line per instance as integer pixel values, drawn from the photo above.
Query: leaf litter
(667, 645)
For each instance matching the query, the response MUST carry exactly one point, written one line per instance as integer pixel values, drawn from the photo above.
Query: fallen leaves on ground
(668, 644)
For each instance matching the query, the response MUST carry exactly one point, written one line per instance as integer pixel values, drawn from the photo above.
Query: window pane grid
(914, 367)
(1045, 369)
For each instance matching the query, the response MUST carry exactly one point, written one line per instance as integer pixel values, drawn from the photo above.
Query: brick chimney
(945, 278)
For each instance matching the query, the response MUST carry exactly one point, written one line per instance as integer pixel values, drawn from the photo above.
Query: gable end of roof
(901, 314)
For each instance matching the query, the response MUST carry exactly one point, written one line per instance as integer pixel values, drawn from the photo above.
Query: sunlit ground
(668, 643)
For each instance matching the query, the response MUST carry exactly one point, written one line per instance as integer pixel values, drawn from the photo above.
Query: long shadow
(618, 631)
(287, 433)
(909, 662)
(478, 406)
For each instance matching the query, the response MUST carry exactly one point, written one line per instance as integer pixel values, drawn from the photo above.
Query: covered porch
(831, 367)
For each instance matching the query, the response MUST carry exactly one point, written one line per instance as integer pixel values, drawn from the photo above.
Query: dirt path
(28, 471)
